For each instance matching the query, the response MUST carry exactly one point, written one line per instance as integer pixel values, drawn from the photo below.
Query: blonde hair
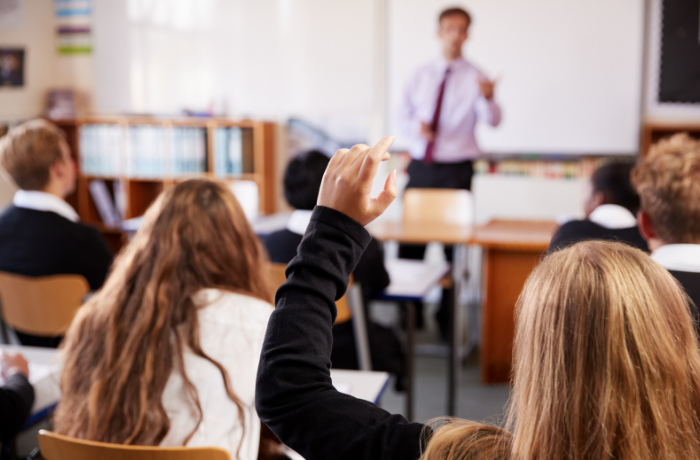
(606, 362)
(28, 151)
(668, 182)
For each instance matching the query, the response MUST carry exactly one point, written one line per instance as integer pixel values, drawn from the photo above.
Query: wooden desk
(420, 233)
(512, 249)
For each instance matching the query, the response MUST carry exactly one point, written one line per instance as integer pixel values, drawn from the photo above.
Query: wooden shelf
(652, 132)
(140, 192)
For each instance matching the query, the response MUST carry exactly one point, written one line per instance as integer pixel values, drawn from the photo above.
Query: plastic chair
(349, 307)
(43, 306)
(54, 446)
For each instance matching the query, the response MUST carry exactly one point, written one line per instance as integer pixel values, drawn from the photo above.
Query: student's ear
(646, 229)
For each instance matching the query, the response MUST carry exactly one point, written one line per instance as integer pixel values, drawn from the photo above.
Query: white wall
(571, 69)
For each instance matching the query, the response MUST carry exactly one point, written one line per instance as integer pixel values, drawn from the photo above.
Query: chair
(58, 447)
(42, 306)
(438, 206)
(349, 307)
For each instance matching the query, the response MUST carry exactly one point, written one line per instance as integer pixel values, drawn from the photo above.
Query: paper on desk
(414, 278)
(343, 388)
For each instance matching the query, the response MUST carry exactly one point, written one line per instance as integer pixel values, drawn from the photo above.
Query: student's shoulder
(578, 226)
(230, 307)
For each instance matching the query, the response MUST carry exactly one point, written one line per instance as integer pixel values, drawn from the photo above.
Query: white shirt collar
(613, 216)
(42, 201)
(679, 257)
(298, 221)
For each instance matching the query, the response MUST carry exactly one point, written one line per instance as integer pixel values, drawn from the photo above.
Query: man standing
(440, 108)
(439, 111)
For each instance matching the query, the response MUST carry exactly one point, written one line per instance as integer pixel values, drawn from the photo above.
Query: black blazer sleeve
(16, 399)
(294, 393)
(371, 272)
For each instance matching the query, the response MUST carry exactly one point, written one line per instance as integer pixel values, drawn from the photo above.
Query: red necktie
(428, 158)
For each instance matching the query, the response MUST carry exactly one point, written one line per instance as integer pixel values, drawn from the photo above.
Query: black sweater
(583, 230)
(294, 394)
(691, 283)
(41, 243)
(16, 399)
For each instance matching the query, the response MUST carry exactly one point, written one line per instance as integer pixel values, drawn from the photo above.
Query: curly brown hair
(668, 182)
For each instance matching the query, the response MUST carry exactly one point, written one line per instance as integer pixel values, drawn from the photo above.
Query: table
(512, 249)
(45, 370)
(367, 385)
(448, 234)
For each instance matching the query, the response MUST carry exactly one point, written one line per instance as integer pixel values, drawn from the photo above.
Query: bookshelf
(139, 157)
(653, 132)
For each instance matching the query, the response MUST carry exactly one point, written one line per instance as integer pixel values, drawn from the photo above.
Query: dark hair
(456, 11)
(613, 181)
(302, 179)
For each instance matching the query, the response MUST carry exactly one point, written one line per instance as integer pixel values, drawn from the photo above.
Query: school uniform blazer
(294, 394)
(16, 399)
(231, 329)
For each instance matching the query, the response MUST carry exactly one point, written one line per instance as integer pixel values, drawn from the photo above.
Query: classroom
(347, 230)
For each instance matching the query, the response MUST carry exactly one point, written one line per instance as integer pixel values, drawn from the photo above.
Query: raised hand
(487, 87)
(347, 183)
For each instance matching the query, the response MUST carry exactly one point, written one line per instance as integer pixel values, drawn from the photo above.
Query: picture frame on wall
(11, 67)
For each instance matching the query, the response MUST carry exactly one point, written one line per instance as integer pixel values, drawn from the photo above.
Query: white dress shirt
(42, 201)
(462, 105)
(613, 216)
(231, 329)
(679, 257)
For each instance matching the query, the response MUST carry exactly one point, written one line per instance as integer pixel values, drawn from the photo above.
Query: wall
(44, 69)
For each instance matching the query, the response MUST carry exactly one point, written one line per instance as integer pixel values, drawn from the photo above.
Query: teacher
(441, 105)
(439, 110)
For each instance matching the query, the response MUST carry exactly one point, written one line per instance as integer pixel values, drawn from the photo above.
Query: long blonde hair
(128, 339)
(606, 363)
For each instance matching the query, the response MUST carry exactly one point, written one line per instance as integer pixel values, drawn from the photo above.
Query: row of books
(142, 151)
(582, 168)
(230, 153)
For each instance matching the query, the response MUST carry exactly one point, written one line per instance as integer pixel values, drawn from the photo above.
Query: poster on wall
(11, 67)
(73, 26)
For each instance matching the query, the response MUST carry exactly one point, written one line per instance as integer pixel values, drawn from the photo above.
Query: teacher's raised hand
(347, 183)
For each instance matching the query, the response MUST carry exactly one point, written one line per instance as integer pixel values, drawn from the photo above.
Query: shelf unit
(139, 192)
(653, 132)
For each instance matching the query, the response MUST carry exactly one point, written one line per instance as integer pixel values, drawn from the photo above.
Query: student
(16, 394)
(606, 363)
(166, 352)
(668, 182)
(40, 233)
(611, 206)
(302, 181)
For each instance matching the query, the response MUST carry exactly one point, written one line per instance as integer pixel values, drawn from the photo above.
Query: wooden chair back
(438, 206)
(43, 306)
(277, 278)
(58, 447)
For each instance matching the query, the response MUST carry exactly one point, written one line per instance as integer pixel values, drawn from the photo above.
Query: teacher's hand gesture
(347, 183)
(487, 87)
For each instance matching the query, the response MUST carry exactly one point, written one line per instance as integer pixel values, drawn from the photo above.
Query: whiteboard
(265, 59)
(571, 69)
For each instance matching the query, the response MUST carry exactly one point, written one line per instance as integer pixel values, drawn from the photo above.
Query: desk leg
(505, 273)
(456, 330)
(410, 357)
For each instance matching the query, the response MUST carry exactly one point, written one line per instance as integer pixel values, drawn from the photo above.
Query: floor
(476, 401)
